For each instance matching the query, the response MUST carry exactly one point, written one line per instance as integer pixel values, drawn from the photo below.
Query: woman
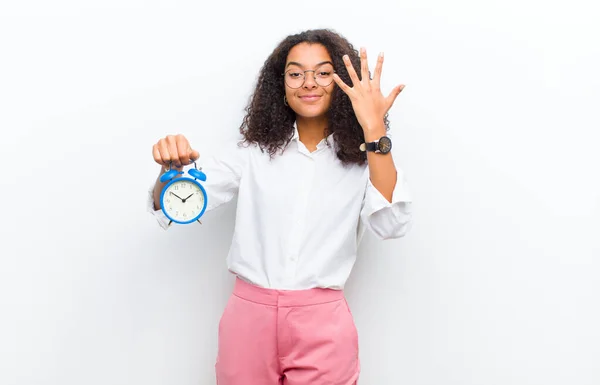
(313, 170)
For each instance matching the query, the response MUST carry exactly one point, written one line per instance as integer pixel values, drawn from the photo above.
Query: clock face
(385, 144)
(183, 200)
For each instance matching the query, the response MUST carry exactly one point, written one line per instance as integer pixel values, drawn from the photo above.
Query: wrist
(374, 132)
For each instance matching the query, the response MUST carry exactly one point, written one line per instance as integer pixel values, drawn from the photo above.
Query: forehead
(308, 55)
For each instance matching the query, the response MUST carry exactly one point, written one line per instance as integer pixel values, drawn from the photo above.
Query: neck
(311, 131)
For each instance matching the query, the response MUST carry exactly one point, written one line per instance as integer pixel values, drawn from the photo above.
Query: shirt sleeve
(223, 173)
(387, 219)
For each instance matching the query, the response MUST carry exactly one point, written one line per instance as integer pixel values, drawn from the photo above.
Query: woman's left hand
(369, 104)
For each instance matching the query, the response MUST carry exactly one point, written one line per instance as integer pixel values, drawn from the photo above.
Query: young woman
(312, 171)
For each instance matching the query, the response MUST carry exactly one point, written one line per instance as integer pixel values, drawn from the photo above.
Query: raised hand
(369, 104)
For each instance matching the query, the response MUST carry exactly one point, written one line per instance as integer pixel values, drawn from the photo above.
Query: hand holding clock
(172, 153)
(174, 150)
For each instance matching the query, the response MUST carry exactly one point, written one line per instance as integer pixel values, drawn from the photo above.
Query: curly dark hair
(269, 123)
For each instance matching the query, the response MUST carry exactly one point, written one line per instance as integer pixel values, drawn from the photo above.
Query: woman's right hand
(175, 149)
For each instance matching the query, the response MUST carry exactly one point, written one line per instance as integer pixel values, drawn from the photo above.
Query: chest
(297, 182)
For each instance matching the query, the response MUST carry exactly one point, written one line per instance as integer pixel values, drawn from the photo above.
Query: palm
(368, 102)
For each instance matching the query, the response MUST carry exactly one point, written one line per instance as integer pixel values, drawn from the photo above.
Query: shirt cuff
(388, 219)
(159, 215)
(375, 201)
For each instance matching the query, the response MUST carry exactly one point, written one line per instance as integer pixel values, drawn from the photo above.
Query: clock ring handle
(197, 174)
(170, 173)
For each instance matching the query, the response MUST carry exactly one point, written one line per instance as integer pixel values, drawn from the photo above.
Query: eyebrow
(300, 65)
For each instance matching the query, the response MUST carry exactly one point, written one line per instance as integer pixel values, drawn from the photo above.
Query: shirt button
(293, 258)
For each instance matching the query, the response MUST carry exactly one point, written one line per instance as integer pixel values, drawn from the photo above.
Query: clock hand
(183, 200)
(188, 197)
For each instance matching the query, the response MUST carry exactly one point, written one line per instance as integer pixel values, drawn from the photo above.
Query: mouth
(310, 98)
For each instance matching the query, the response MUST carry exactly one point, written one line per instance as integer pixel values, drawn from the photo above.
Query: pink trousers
(286, 337)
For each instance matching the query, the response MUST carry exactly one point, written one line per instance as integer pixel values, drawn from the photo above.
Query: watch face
(384, 145)
(183, 200)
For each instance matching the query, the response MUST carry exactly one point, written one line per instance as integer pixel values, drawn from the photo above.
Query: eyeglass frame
(304, 75)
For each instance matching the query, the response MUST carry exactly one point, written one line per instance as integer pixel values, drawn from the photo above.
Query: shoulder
(234, 148)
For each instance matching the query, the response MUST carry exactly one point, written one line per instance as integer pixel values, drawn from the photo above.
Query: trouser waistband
(285, 298)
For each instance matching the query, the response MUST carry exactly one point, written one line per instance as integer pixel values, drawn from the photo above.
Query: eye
(324, 72)
(294, 75)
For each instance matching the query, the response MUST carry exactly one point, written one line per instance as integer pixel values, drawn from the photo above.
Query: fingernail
(380, 54)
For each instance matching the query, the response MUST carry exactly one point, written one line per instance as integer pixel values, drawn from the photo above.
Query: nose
(309, 80)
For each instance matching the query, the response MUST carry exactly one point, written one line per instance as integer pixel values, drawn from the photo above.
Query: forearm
(382, 170)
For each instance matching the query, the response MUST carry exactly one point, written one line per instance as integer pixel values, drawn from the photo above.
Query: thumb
(193, 154)
(393, 95)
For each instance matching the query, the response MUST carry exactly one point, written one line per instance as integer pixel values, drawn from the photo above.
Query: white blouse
(300, 216)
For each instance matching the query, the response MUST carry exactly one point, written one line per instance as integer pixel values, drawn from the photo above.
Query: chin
(310, 112)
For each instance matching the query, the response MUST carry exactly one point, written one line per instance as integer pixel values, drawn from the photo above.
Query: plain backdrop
(497, 132)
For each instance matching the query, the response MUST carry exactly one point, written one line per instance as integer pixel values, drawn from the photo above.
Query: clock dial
(183, 200)
(385, 144)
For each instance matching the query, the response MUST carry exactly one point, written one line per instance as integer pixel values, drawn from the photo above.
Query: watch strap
(382, 145)
(371, 146)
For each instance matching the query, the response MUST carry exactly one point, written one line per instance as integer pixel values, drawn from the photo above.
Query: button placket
(300, 213)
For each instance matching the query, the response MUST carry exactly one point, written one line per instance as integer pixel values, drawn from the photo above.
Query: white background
(497, 131)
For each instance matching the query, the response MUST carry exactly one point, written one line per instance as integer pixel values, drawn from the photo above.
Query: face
(312, 98)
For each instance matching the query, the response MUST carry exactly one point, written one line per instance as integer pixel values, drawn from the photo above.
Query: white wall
(497, 131)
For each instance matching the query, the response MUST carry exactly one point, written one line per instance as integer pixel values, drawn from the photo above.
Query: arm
(223, 174)
(387, 213)
(382, 170)
(386, 207)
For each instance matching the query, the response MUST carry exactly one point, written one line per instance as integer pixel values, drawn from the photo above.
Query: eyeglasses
(323, 75)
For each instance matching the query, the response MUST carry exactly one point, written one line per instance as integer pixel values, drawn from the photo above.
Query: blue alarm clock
(183, 199)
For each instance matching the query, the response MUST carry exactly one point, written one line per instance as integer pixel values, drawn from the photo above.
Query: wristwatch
(382, 146)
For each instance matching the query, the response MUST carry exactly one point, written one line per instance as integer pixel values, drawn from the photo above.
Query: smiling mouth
(310, 98)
